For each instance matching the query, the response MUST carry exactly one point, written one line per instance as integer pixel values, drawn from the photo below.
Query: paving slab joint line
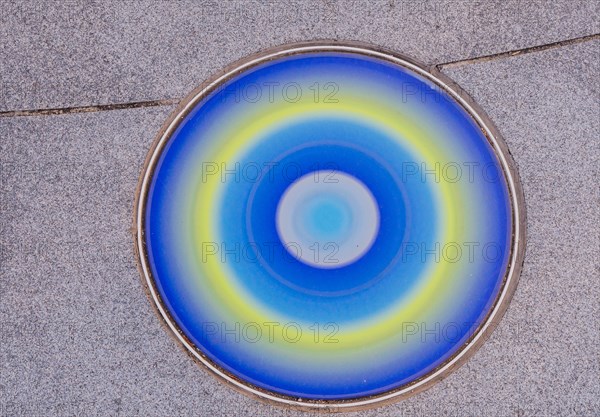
(173, 101)
(90, 109)
(523, 51)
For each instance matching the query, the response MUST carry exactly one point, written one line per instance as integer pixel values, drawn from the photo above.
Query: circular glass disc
(329, 226)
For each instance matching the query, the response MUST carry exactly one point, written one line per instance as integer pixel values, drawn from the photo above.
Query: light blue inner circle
(327, 218)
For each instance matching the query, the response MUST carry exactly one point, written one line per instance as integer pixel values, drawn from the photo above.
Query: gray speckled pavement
(78, 334)
(79, 53)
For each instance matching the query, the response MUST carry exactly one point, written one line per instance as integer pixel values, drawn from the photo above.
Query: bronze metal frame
(518, 219)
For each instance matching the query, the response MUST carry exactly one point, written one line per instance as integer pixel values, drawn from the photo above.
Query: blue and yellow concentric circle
(326, 225)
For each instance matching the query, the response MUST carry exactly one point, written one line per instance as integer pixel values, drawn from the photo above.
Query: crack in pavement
(173, 101)
(516, 52)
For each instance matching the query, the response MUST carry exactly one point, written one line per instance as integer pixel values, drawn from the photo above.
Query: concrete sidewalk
(78, 334)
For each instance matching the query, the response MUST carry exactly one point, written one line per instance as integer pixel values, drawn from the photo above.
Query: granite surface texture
(78, 334)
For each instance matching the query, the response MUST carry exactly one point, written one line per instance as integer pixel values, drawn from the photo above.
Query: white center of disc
(327, 219)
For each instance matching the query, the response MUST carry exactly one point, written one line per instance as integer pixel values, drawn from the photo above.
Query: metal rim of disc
(448, 86)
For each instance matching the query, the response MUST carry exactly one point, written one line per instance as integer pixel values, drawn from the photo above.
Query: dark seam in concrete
(168, 102)
(516, 52)
(88, 109)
